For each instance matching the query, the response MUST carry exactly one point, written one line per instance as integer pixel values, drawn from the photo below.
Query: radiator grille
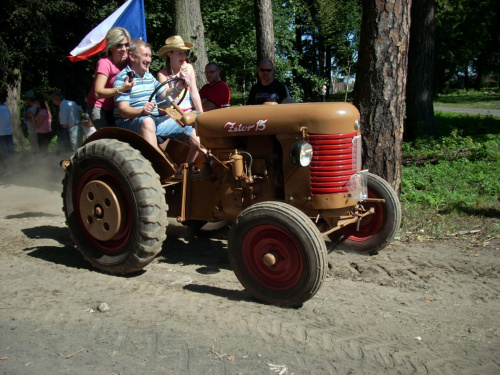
(335, 159)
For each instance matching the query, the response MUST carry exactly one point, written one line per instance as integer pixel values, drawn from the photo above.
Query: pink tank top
(45, 126)
(106, 67)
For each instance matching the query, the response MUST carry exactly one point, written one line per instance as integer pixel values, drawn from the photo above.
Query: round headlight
(301, 153)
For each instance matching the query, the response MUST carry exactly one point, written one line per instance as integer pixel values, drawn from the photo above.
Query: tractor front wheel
(277, 254)
(375, 231)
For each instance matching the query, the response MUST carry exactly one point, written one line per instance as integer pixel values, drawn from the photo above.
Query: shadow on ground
(66, 254)
(183, 247)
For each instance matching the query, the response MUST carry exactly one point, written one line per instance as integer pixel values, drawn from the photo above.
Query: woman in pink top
(101, 95)
(43, 124)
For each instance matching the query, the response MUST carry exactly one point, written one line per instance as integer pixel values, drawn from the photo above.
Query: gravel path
(479, 111)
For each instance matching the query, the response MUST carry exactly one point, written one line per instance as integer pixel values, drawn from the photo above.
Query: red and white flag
(130, 16)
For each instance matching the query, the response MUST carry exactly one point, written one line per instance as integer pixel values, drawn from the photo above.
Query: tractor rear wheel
(115, 206)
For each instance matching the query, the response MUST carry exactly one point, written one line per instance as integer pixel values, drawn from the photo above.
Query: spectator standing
(43, 123)
(101, 96)
(70, 132)
(267, 89)
(31, 112)
(175, 53)
(134, 112)
(7, 151)
(215, 93)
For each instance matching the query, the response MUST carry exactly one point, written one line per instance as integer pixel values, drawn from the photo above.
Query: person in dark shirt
(267, 89)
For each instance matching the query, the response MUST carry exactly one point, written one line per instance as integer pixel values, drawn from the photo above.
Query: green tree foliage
(29, 39)
(230, 40)
(338, 25)
(159, 26)
(314, 38)
(467, 36)
(32, 48)
(36, 37)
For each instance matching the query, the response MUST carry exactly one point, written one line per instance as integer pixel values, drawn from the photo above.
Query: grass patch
(238, 98)
(451, 183)
(469, 99)
(340, 97)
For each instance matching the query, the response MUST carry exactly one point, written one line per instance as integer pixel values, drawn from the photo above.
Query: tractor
(286, 176)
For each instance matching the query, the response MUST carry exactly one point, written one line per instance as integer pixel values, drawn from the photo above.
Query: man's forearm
(126, 111)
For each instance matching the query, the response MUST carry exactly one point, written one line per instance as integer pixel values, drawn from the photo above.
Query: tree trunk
(479, 74)
(189, 25)
(328, 70)
(13, 100)
(380, 87)
(419, 91)
(265, 29)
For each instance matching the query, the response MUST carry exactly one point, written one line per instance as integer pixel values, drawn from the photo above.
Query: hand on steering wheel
(148, 108)
(169, 102)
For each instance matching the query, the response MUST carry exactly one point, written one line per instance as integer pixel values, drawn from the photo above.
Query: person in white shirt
(7, 151)
(70, 118)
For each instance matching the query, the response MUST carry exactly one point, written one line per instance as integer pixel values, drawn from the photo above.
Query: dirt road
(416, 308)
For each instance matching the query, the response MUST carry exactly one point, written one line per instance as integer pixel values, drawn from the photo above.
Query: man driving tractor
(137, 109)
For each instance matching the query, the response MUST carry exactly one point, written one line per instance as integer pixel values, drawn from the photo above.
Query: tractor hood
(273, 118)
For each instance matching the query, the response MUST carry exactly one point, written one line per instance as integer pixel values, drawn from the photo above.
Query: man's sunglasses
(122, 45)
(265, 70)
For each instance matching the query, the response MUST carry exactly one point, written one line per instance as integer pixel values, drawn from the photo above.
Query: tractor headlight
(301, 153)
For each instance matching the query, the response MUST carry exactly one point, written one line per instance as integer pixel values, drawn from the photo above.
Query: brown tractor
(287, 176)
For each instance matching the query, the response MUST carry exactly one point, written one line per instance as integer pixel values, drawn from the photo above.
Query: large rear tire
(277, 253)
(115, 206)
(375, 231)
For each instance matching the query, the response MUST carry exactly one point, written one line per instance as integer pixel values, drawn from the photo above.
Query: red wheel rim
(370, 225)
(270, 239)
(116, 245)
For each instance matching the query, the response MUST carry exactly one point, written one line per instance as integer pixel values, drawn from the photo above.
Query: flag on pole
(130, 16)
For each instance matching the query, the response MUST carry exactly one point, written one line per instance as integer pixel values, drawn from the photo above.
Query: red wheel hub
(117, 209)
(272, 257)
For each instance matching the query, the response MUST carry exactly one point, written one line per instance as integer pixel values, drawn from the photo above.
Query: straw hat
(174, 43)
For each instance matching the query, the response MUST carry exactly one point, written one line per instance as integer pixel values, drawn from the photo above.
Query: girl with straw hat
(175, 53)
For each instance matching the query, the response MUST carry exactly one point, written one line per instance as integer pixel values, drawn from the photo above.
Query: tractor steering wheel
(172, 104)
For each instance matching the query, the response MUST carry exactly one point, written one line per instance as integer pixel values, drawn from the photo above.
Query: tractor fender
(158, 160)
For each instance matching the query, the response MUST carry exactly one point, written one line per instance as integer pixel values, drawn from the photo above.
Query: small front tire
(277, 254)
(376, 231)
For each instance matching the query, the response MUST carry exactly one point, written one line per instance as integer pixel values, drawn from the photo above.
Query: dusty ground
(422, 308)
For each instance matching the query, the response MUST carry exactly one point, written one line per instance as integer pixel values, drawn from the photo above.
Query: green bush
(452, 180)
